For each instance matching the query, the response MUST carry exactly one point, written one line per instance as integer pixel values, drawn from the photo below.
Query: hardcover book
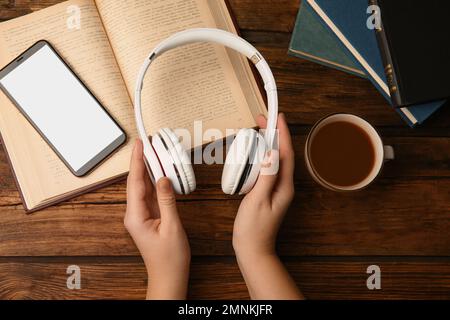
(106, 52)
(347, 19)
(314, 41)
(414, 44)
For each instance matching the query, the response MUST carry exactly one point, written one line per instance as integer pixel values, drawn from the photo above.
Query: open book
(199, 82)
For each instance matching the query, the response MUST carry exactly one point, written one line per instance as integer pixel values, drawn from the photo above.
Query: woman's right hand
(259, 218)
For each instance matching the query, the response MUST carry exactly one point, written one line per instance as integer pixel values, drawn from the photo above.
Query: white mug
(382, 153)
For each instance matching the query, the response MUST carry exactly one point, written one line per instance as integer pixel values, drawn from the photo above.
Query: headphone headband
(226, 39)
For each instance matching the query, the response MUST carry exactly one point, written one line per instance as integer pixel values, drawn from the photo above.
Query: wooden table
(401, 223)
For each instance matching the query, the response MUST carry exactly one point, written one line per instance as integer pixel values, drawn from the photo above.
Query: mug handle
(389, 153)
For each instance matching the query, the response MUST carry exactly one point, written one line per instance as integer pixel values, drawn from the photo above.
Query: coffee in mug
(345, 153)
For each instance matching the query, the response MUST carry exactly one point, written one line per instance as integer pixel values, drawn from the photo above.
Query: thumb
(268, 176)
(166, 201)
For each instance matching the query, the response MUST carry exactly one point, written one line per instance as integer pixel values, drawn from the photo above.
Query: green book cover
(313, 41)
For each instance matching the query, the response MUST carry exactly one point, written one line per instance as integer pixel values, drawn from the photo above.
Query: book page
(40, 173)
(192, 83)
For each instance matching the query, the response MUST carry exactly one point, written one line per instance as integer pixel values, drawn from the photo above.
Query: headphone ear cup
(237, 162)
(167, 162)
(256, 159)
(182, 161)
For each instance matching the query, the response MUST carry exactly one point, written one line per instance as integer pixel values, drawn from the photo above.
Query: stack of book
(338, 34)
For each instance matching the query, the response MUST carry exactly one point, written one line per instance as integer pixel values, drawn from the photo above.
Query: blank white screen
(67, 115)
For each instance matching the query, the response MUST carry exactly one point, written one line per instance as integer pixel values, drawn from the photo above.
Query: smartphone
(61, 108)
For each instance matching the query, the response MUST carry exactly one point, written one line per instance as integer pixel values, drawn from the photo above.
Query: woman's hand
(262, 210)
(153, 222)
(258, 221)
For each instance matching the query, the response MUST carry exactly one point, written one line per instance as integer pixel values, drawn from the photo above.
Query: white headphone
(165, 156)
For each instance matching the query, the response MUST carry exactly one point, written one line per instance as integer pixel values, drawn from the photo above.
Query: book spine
(389, 67)
(330, 64)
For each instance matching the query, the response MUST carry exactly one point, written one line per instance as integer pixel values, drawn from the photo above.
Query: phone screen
(64, 111)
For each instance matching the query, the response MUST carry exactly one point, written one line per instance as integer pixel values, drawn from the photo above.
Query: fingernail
(267, 162)
(164, 185)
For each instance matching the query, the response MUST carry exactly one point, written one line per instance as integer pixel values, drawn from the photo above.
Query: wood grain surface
(125, 278)
(401, 222)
